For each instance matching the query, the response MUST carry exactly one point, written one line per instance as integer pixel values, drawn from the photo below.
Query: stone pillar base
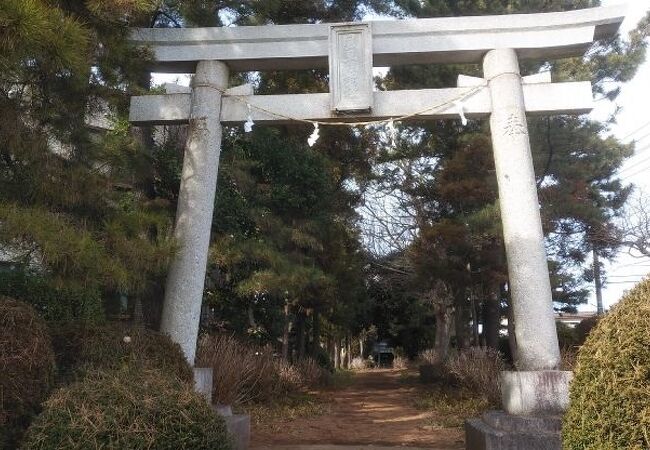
(238, 425)
(535, 393)
(203, 382)
(497, 430)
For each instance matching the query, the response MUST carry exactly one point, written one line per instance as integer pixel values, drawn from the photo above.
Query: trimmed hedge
(128, 408)
(610, 394)
(26, 368)
(82, 349)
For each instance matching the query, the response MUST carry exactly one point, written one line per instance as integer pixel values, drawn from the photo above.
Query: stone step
(342, 447)
(497, 430)
(523, 424)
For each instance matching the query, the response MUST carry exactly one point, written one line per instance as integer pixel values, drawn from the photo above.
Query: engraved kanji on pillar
(350, 64)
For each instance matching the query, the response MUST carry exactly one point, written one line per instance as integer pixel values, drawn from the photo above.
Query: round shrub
(610, 394)
(26, 367)
(128, 408)
(80, 349)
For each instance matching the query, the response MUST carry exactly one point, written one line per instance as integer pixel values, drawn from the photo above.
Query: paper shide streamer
(314, 136)
(249, 124)
(460, 106)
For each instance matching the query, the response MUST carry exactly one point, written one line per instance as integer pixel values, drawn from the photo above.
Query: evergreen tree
(450, 190)
(286, 261)
(70, 206)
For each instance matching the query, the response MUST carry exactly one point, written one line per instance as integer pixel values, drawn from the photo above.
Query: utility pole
(597, 282)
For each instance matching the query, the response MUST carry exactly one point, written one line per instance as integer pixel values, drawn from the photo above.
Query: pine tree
(450, 190)
(285, 247)
(71, 209)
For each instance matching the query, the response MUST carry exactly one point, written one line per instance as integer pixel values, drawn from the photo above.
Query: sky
(632, 124)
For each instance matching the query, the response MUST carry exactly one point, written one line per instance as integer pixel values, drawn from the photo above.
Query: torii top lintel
(415, 41)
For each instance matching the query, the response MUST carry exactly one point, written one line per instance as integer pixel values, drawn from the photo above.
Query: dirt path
(377, 408)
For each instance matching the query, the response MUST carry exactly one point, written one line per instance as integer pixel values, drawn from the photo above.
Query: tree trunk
(461, 322)
(330, 348)
(492, 316)
(442, 332)
(251, 317)
(285, 333)
(348, 342)
(300, 335)
(361, 348)
(315, 340)
(337, 354)
(474, 315)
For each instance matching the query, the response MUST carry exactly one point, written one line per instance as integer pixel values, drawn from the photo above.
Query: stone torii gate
(350, 51)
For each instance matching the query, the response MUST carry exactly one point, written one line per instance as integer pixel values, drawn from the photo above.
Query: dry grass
(400, 362)
(450, 405)
(478, 369)
(244, 374)
(241, 374)
(287, 408)
(429, 357)
(312, 373)
(358, 363)
(569, 356)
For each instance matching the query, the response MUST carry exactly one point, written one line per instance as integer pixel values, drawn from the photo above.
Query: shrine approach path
(377, 409)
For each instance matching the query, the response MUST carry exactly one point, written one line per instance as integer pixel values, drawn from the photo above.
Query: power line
(645, 263)
(633, 167)
(639, 139)
(637, 153)
(635, 131)
(629, 175)
(622, 173)
(627, 276)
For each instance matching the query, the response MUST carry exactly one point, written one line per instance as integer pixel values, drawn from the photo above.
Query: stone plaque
(350, 62)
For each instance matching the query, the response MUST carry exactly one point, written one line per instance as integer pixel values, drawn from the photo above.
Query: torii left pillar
(186, 277)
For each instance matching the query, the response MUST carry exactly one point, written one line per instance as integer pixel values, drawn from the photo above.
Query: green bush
(583, 329)
(84, 348)
(26, 368)
(610, 394)
(566, 336)
(53, 303)
(323, 359)
(128, 408)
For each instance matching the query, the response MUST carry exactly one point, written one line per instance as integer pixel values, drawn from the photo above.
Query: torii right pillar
(535, 334)
(535, 395)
